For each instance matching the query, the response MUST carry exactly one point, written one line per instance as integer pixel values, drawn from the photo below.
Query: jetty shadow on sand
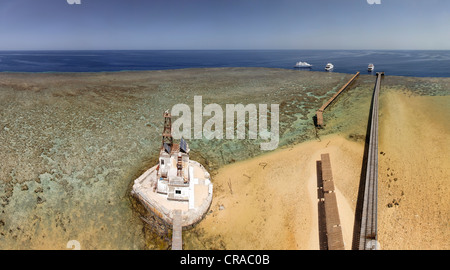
(323, 240)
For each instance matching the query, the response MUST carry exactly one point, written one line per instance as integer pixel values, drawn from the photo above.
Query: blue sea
(401, 63)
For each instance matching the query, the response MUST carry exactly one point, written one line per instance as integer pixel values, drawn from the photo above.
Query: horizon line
(16, 50)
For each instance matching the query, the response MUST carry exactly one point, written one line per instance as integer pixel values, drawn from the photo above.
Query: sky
(224, 24)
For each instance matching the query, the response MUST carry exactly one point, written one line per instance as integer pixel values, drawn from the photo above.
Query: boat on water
(329, 67)
(371, 67)
(302, 65)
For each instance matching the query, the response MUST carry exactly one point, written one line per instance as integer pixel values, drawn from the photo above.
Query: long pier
(319, 113)
(368, 233)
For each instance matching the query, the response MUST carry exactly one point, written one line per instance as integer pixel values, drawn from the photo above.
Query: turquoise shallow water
(71, 144)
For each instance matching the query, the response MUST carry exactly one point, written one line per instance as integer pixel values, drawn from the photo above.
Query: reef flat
(72, 143)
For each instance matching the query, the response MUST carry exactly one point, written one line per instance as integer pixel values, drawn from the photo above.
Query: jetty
(177, 231)
(319, 113)
(333, 239)
(368, 229)
(177, 190)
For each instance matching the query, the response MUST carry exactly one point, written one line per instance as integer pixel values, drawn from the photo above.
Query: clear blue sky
(224, 24)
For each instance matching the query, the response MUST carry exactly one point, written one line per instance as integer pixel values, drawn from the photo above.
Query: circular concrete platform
(192, 210)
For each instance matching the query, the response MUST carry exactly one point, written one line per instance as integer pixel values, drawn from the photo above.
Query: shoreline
(171, 70)
(204, 68)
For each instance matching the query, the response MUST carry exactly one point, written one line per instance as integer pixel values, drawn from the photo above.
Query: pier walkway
(319, 113)
(368, 233)
(334, 239)
(177, 230)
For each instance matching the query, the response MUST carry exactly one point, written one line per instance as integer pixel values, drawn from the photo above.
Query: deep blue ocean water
(402, 63)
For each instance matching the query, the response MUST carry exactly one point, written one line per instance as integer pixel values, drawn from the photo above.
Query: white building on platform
(175, 183)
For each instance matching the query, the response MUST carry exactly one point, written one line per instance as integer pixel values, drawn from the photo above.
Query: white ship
(370, 68)
(302, 65)
(329, 67)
